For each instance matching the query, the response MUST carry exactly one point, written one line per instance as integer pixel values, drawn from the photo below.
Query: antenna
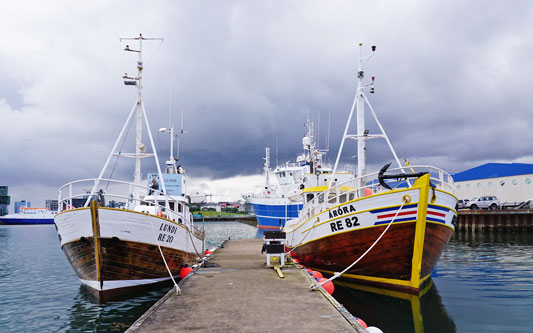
(170, 108)
(329, 128)
(318, 131)
(277, 143)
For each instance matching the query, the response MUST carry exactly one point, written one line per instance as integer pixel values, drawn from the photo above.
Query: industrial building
(5, 200)
(21, 204)
(509, 182)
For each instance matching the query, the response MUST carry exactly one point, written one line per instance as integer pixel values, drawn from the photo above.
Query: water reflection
(393, 311)
(493, 238)
(87, 315)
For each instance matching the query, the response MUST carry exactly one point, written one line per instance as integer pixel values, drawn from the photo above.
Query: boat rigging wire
(153, 54)
(337, 274)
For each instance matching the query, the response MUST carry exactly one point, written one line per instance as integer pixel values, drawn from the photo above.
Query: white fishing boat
(29, 215)
(374, 228)
(272, 204)
(145, 233)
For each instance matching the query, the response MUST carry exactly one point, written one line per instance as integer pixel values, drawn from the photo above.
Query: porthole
(490, 184)
(478, 185)
(528, 181)
(458, 187)
(468, 186)
(515, 182)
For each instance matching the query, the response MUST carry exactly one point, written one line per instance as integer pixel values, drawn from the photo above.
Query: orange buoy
(185, 271)
(207, 252)
(160, 214)
(361, 321)
(328, 286)
(316, 275)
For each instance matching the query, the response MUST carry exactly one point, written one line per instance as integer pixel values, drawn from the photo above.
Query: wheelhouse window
(342, 198)
(332, 197)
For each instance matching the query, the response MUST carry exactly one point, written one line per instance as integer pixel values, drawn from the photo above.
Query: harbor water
(481, 284)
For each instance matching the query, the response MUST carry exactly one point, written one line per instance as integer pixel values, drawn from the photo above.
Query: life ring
(160, 214)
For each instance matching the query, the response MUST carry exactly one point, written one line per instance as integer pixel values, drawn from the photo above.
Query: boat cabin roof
(175, 198)
(323, 188)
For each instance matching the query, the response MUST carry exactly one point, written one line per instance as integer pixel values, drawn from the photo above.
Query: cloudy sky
(454, 84)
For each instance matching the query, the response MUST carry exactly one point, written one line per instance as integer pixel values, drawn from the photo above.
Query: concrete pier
(495, 220)
(241, 295)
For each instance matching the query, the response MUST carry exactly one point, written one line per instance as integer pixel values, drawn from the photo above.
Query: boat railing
(351, 189)
(120, 194)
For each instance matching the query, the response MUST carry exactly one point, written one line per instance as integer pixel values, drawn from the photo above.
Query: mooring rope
(178, 290)
(337, 274)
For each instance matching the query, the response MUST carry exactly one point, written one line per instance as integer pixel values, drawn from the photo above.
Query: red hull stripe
(399, 214)
(437, 214)
(407, 219)
(267, 227)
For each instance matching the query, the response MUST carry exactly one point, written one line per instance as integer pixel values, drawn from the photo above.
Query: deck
(241, 295)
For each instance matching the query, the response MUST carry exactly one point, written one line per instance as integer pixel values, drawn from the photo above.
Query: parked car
(488, 202)
(462, 203)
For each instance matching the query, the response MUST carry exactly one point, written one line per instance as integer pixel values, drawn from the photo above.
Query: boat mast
(266, 167)
(360, 102)
(362, 134)
(171, 163)
(139, 146)
(309, 144)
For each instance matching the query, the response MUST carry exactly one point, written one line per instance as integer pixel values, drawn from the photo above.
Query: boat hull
(273, 213)
(115, 252)
(25, 221)
(404, 256)
(389, 261)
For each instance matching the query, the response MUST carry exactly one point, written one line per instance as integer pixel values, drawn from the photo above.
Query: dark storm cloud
(452, 82)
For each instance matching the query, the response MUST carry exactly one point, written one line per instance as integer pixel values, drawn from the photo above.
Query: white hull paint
(117, 284)
(127, 226)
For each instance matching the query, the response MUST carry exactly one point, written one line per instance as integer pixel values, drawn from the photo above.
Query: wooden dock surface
(241, 295)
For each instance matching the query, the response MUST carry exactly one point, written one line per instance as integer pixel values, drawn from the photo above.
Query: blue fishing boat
(277, 203)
